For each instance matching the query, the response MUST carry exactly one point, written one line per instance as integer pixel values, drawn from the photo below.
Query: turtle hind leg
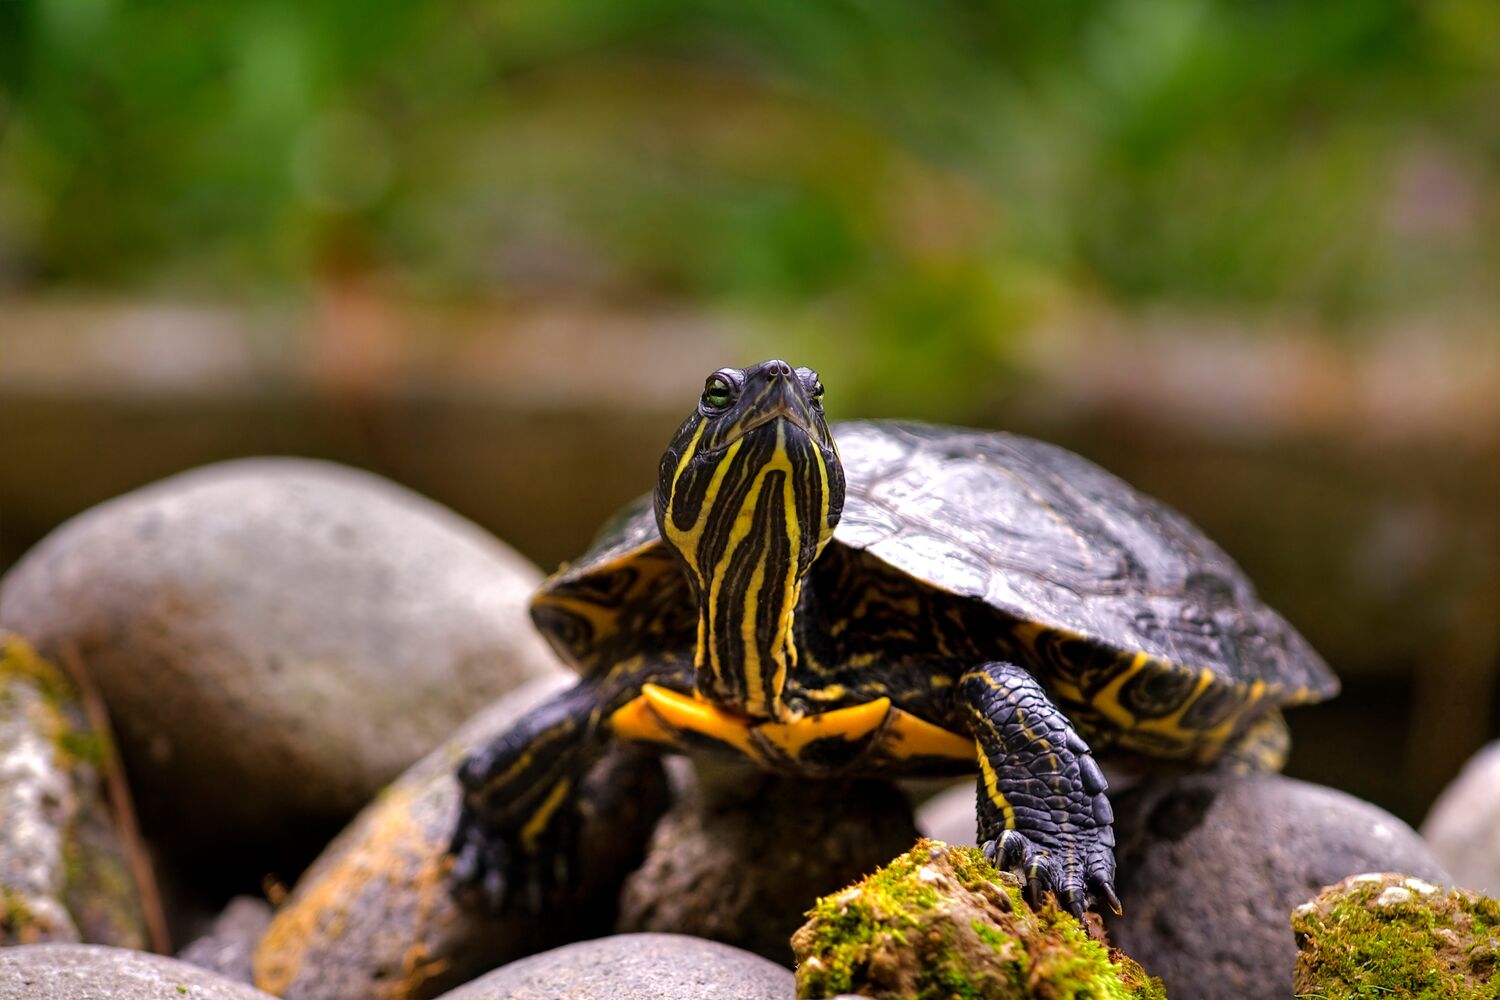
(1260, 749)
(1042, 808)
(517, 831)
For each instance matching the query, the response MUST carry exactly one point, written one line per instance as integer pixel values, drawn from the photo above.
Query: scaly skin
(517, 834)
(1042, 808)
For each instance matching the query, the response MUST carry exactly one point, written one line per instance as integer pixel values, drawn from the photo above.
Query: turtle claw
(1105, 892)
(1075, 878)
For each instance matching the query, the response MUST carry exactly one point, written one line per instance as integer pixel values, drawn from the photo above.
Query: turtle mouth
(784, 407)
(752, 426)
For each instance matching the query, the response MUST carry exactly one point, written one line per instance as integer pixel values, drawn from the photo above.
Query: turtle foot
(1079, 871)
(494, 870)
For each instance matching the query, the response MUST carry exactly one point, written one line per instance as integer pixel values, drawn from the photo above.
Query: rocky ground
(266, 652)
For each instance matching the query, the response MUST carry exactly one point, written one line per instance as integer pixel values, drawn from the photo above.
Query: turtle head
(748, 493)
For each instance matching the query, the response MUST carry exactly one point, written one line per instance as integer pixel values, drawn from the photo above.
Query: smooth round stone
(97, 972)
(743, 855)
(375, 916)
(229, 945)
(635, 967)
(950, 816)
(1211, 866)
(1463, 826)
(277, 638)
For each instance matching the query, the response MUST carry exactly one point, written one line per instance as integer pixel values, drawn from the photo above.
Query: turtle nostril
(778, 369)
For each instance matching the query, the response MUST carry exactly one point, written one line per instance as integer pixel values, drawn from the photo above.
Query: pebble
(98, 972)
(229, 945)
(1463, 826)
(635, 967)
(949, 816)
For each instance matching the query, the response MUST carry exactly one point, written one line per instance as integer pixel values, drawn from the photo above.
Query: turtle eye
(717, 392)
(817, 394)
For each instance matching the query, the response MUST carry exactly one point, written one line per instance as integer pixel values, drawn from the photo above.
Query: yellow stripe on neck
(753, 669)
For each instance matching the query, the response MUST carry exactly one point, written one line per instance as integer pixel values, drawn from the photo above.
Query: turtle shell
(1089, 568)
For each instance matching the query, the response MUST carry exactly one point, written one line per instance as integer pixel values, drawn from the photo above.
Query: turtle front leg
(516, 840)
(1042, 808)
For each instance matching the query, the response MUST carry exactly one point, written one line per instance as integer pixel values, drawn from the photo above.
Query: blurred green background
(1243, 253)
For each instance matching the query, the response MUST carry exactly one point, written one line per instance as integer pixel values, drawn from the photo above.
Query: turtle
(888, 598)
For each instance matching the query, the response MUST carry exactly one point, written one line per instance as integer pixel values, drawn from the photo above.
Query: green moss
(1372, 937)
(989, 934)
(941, 922)
(18, 659)
(14, 913)
(890, 899)
(63, 723)
(90, 748)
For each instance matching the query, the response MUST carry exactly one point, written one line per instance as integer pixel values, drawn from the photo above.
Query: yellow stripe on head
(750, 491)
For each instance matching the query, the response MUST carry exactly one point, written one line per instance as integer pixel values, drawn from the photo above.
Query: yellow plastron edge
(659, 715)
(852, 723)
(914, 737)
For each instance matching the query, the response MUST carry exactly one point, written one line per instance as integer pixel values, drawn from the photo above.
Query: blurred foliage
(930, 175)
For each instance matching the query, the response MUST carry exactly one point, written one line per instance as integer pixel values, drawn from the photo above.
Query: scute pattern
(1047, 536)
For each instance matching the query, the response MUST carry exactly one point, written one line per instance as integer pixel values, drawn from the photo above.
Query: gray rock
(635, 967)
(949, 816)
(96, 972)
(742, 855)
(374, 917)
(1463, 826)
(1211, 866)
(272, 617)
(229, 945)
(64, 871)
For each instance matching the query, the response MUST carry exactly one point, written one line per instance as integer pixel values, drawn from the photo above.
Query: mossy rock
(64, 870)
(1397, 936)
(941, 922)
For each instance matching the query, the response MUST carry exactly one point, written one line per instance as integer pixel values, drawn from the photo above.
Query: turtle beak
(774, 392)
